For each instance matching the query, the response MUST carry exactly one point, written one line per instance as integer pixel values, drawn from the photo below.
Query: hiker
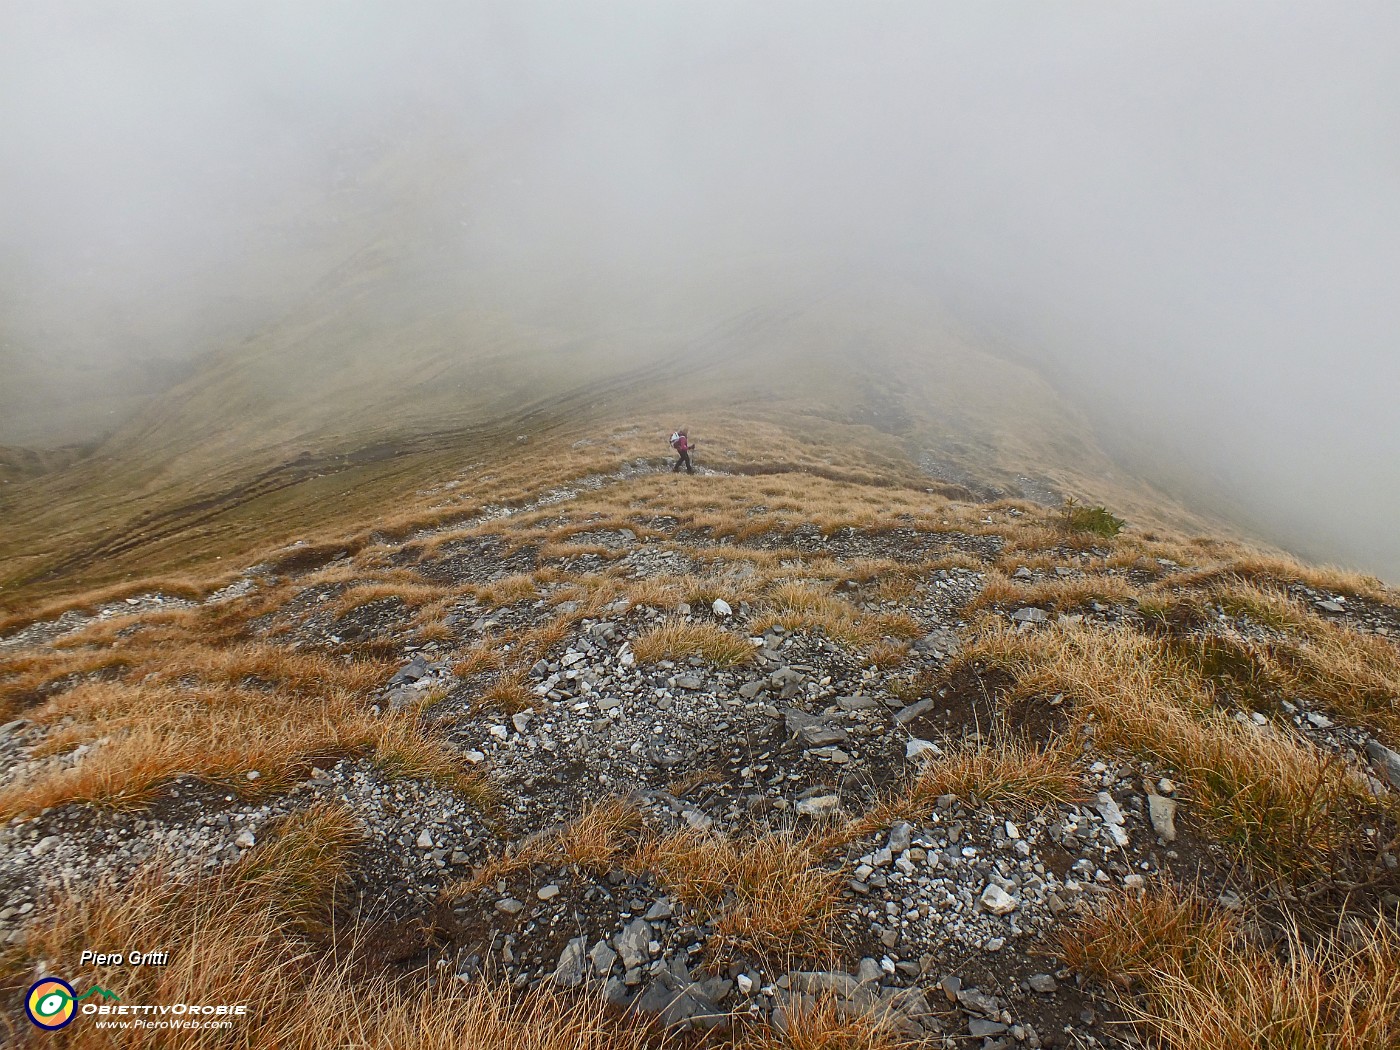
(681, 443)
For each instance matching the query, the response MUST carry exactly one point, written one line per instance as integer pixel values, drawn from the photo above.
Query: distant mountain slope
(334, 391)
(379, 335)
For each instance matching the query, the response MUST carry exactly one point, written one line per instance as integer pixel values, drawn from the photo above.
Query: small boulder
(819, 807)
(997, 901)
(633, 944)
(918, 750)
(1162, 812)
(1386, 761)
(821, 735)
(569, 971)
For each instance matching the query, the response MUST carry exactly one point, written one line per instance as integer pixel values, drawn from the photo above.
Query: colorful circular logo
(49, 1003)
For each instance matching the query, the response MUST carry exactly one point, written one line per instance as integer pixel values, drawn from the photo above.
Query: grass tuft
(678, 640)
(769, 896)
(595, 842)
(1188, 977)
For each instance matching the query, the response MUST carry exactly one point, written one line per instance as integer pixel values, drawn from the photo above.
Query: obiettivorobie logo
(52, 1003)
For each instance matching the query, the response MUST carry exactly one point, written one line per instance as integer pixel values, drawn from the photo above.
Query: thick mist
(1186, 215)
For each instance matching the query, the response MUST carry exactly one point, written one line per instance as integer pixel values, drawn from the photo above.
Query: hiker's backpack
(676, 440)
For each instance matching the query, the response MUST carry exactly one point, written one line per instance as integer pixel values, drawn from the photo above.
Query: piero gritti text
(124, 958)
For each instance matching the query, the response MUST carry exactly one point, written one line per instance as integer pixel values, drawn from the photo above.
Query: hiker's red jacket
(682, 444)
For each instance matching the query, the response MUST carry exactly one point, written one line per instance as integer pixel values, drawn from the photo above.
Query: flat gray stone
(977, 1001)
(900, 836)
(675, 1003)
(1386, 761)
(940, 641)
(1162, 812)
(410, 672)
(1108, 809)
(913, 711)
(569, 971)
(819, 807)
(916, 749)
(633, 943)
(951, 985)
(602, 958)
(859, 702)
(980, 1029)
(821, 735)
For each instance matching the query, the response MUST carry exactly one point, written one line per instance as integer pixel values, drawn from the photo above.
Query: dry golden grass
(887, 654)
(1010, 774)
(1061, 595)
(508, 692)
(144, 736)
(512, 651)
(230, 938)
(595, 842)
(1272, 570)
(150, 623)
(480, 659)
(1188, 978)
(182, 707)
(435, 631)
(188, 587)
(1354, 675)
(24, 675)
(829, 1025)
(798, 606)
(403, 749)
(254, 934)
(679, 640)
(658, 592)
(263, 666)
(411, 595)
(894, 588)
(1263, 603)
(768, 896)
(1285, 805)
(590, 594)
(520, 587)
(447, 1015)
